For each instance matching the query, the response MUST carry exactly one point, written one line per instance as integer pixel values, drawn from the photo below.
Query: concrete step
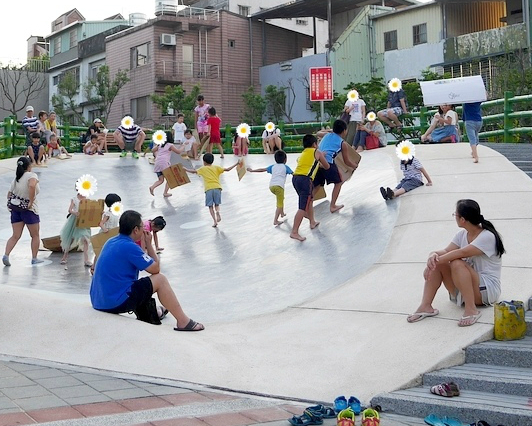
(514, 353)
(484, 378)
(469, 407)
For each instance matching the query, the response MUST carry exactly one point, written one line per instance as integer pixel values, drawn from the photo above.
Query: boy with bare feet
(213, 188)
(278, 172)
(331, 145)
(307, 167)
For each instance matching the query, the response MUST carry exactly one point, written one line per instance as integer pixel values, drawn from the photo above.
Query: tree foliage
(100, 93)
(177, 99)
(254, 107)
(275, 102)
(19, 85)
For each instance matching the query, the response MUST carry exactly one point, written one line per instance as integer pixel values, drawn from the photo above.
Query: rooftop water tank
(137, 19)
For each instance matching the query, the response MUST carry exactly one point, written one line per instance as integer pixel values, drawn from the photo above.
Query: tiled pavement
(51, 394)
(60, 395)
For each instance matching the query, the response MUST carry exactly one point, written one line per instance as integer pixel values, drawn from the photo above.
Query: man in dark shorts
(331, 145)
(116, 287)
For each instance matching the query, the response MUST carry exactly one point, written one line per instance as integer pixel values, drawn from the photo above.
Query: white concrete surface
(351, 340)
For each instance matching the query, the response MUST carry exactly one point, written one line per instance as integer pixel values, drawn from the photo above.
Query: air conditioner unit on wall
(167, 39)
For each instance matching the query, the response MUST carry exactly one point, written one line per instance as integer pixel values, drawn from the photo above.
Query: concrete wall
(297, 71)
(407, 64)
(39, 100)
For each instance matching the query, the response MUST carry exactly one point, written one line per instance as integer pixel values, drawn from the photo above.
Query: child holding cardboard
(72, 236)
(162, 155)
(213, 188)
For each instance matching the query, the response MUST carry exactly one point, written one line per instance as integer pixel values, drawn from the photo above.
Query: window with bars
(141, 108)
(140, 55)
(244, 10)
(419, 34)
(390, 40)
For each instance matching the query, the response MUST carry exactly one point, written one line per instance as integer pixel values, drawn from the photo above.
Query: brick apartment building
(219, 50)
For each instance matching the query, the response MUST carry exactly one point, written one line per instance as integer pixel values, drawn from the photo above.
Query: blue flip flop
(451, 421)
(340, 404)
(433, 420)
(354, 403)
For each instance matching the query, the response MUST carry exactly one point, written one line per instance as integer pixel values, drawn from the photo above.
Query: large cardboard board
(176, 175)
(90, 213)
(320, 194)
(453, 91)
(345, 171)
(99, 240)
(52, 243)
(241, 169)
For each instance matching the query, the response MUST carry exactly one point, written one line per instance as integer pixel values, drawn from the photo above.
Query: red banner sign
(321, 84)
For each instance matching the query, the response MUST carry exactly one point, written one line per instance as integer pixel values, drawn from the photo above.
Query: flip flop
(322, 411)
(451, 421)
(421, 316)
(191, 327)
(340, 403)
(433, 420)
(472, 318)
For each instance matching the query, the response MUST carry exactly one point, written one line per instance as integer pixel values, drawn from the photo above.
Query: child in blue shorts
(279, 170)
(213, 188)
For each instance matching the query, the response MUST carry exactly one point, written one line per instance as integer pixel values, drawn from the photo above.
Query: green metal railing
(13, 143)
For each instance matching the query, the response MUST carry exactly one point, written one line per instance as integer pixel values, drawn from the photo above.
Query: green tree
(64, 102)
(275, 102)
(373, 92)
(103, 90)
(332, 108)
(176, 98)
(254, 107)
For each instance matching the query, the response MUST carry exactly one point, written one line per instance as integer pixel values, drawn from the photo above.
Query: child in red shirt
(213, 124)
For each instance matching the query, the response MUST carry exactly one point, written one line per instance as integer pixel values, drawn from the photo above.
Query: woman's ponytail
(22, 167)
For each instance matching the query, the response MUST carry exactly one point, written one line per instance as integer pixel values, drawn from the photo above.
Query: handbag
(509, 320)
(345, 117)
(17, 203)
(372, 142)
(147, 312)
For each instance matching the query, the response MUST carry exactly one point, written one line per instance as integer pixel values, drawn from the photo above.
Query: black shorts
(303, 186)
(331, 175)
(140, 292)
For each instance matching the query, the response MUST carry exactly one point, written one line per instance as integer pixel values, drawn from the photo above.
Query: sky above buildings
(14, 32)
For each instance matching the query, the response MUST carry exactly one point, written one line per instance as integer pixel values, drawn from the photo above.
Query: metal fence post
(423, 122)
(507, 110)
(66, 135)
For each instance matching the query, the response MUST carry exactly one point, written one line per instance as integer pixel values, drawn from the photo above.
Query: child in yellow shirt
(213, 188)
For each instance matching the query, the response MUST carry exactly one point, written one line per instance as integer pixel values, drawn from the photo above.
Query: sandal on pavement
(307, 418)
(418, 316)
(161, 312)
(346, 418)
(451, 421)
(354, 404)
(469, 320)
(322, 411)
(370, 417)
(433, 420)
(445, 389)
(340, 403)
(191, 326)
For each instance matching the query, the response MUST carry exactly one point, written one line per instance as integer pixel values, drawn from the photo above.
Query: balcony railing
(176, 71)
(38, 65)
(190, 12)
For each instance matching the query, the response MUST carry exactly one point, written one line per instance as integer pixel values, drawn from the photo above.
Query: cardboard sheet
(90, 213)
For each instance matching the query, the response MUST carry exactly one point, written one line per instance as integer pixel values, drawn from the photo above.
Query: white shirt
(278, 172)
(21, 189)
(356, 112)
(454, 117)
(187, 143)
(179, 131)
(488, 264)
(265, 134)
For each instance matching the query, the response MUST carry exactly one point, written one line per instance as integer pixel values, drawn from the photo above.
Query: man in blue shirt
(331, 145)
(116, 287)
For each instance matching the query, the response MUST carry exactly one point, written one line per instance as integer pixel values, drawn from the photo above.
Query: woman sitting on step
(469, 267)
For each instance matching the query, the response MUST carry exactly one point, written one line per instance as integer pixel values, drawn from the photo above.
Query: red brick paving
(54, 414)
(183, 421)
(264, 415)
(294, 409)
(185, 398)
(148, 403)
(227, 419)
(12, 419)
(100, 409)
(219, 396)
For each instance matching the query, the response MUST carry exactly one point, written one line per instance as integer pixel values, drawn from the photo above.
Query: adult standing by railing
(472, 116)
(22, 201)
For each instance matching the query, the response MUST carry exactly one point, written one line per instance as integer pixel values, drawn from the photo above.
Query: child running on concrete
(277, 182)
(72, 236)
(307, 167)
(413, 172)
(162, 155)
(213, 188)
(213, 124)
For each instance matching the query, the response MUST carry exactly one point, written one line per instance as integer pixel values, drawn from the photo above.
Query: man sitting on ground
(116, 287)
